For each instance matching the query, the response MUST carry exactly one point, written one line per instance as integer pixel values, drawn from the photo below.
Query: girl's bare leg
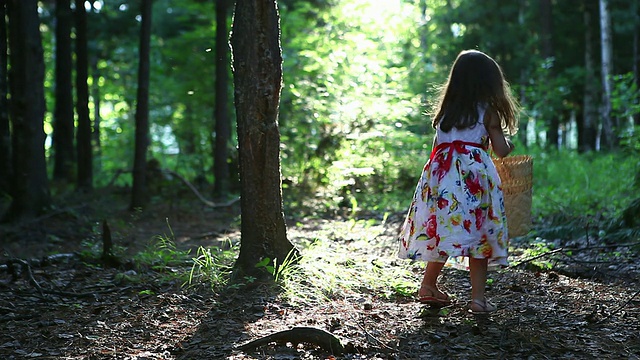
(478, 275)
(429, 286)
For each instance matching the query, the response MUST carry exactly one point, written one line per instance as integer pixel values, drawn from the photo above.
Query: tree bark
(257, 69)
(63, 120)
(30, 185)
(548, 52)
(221, 112)
(587, 130)
(95, 131)
(6, 168)
(139, 194)
(607, 138)
(636, 59)
(83, 136)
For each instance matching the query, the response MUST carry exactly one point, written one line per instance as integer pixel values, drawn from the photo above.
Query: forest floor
(584, 306)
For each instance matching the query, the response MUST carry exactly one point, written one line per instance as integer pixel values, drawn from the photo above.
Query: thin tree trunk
(636, 59)
(63, 120)
(6, 168)
(139, 195)
(257, 65)
(524, 78)
(587, 130)
(30, 185)
(95, 131)
(223, 122)
(547, 53)
(607, 140)
(83, 136)
(96, 95)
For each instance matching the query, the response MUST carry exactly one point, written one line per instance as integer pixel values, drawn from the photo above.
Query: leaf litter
(583, 307)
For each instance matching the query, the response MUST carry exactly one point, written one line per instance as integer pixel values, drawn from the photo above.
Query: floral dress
(458, 206)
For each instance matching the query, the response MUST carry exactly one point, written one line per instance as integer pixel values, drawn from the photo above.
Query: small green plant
(279, 271)
(404, 288)
(536, 251)
(162, 252)
(213, 266)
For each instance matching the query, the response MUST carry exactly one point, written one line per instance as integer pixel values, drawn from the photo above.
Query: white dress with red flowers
(458, 207)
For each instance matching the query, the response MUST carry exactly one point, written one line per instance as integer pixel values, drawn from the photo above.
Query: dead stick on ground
(369, 336)
(32, 280)
(537, 257)
(619, 308)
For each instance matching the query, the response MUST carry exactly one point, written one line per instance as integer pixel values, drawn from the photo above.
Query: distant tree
(95, 131)
(83, 136)
(636, 54)
(139, 194)
(606, 47)
(30, 185)
(63, 120)
(548, 53)
(221, 112)
(257, 70)
(587, 126)
(6, 172)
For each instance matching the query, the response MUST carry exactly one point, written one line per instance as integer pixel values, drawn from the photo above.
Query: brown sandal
(433, 299)
(485, 305)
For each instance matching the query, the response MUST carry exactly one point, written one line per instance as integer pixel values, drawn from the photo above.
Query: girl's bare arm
(500, 144)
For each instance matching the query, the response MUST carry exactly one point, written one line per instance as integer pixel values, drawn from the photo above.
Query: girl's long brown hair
(475, 80)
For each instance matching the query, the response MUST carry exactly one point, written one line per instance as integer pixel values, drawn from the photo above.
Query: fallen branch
(27, 267)
(51, 259)
(619, 307)
(610, 246)
(189, 185)
(197, 193)
(537, 257)
(297, 335)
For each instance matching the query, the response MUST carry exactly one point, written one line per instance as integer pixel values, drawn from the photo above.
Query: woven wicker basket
(516, 174)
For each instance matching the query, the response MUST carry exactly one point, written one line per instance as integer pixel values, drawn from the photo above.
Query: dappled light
(251, 196)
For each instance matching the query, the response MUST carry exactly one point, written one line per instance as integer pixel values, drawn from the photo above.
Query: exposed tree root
(297, 335)
(187, 183)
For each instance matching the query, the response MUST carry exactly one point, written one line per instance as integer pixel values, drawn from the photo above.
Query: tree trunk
(587, 130)
(6, 168)
(139, 194)
(96, 95)
(30, 186)
(257, 66)
(547, 53)
(95, 131)
(524, 78)
(83, 136)
(223, 122)
(63, 120)
(607, 140)
(636, 59)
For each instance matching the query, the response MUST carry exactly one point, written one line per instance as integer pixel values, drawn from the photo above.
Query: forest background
(358, 79)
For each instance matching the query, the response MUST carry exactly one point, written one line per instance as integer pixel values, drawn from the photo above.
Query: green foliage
(582, 184)
(213, 266)
(535, 251)
(279, 270)
(350, 94)
(625, 97)
(161, 253)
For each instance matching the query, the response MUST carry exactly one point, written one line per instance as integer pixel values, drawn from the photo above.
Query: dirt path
(133, 313)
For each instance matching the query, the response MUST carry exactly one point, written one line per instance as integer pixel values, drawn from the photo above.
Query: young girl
(458, 207)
